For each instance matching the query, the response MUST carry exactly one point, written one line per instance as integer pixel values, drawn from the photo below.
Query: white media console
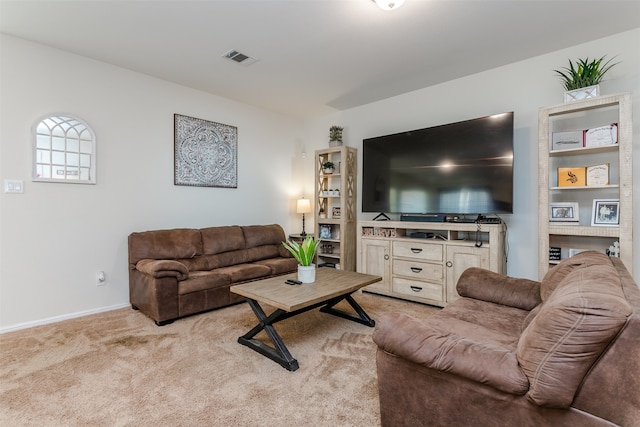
(422, 261)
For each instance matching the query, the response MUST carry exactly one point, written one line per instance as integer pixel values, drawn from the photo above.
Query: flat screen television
(454, 169)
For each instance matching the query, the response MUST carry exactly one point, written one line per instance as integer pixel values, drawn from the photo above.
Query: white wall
(521, 87)
(56, 237)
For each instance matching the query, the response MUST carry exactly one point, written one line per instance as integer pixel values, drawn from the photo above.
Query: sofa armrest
(439, 343)
(485, 285)
(163, 268)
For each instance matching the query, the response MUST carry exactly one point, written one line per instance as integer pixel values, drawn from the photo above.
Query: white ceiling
(314, 56)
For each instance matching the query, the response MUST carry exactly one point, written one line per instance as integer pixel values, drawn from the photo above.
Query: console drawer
(418, 250)
(418, 270)
(415, 288)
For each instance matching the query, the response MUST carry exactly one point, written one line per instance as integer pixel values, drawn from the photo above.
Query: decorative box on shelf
(572, 177)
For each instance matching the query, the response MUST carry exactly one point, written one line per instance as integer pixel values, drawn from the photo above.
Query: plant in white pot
(581, 80)
(304, 253)
(328, 167)
(335, 136)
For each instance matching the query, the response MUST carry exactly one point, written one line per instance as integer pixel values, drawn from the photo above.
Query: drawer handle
(386, 257)
(416, 269)
(449, 264)
(416, 288)
(416, 250)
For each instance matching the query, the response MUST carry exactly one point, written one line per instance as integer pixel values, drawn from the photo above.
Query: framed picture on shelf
(606, 212)
(325, 232)
(335, 213)
(564, 212)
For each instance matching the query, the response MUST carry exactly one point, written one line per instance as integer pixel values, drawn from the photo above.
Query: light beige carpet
(119, 369)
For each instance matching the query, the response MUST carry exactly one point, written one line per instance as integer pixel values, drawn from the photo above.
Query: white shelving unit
(581, 234)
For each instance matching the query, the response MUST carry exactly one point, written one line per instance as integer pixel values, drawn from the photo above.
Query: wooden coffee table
(331, 287)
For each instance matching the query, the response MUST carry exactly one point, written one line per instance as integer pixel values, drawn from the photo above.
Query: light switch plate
(13, 186)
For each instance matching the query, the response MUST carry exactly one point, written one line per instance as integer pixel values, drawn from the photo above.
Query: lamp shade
(303, 206)
(389, 4)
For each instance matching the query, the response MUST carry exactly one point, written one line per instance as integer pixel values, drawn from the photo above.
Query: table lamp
(303, 207)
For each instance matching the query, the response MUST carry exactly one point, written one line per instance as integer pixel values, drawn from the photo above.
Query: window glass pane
(73, 145)
(85, 160)
(43, 141)
(43, 129)
(57, 131)
(84, 174)
(43, 156)
(85, 135)
(73, 159)
(73, 134)
(85, 147)
(57, 158)
(58, 143)
(43, 171)
(73, 173)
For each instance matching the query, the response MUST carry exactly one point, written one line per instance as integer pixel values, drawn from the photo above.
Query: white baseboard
(56, 319)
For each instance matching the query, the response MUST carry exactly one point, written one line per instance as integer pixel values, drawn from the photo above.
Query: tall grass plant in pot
(304, 253)
(581, 79)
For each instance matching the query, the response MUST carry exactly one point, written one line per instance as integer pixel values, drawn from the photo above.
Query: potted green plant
(581, 79)
(335, 136)
(322, 213)
(304, 253)
(328, 167)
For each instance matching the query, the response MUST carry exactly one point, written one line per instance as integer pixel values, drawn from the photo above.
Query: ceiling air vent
(240, 58)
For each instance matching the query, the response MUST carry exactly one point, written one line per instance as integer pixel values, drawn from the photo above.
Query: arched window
(64, 150)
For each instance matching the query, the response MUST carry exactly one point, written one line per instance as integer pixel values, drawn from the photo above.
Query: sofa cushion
(164, 244)
(196, 263)
(279, 265)
(163, 268)
(203, 280)
(555, 275)
(572, 328)
(216, 240)
(485, 285)
(260, 235)
(496, 317)
(262, 252)
(444, 343)
(226, 259)
(242, 272)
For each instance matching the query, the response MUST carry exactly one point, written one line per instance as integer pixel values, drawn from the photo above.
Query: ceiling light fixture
(388, 4)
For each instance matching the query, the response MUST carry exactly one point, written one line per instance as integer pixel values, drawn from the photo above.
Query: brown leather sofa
(178, 272)
(516, 352)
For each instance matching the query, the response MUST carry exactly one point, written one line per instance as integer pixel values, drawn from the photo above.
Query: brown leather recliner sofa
(514, 352)
(178, 272)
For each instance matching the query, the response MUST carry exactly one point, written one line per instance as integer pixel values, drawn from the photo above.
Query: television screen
(457, 168)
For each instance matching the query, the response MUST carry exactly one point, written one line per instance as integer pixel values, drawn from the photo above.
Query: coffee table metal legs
(279, 352)
(362, 316)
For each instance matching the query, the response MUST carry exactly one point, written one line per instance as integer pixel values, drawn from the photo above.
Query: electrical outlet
(101, 278)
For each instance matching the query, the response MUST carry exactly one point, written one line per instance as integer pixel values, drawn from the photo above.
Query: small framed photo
(325, 231)
(564, 212)
(335, 213)
(606, 212)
